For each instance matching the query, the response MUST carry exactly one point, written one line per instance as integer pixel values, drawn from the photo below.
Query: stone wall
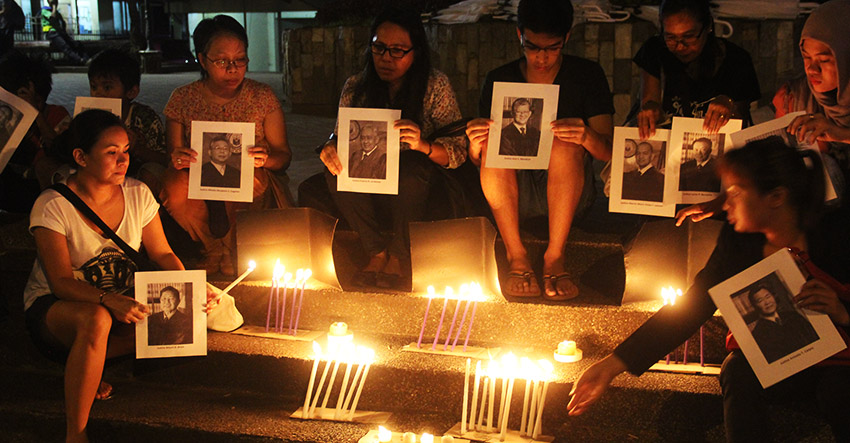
(318, 60)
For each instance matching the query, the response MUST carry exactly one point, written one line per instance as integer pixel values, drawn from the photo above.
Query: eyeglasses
(685, 40)
(380, 49)
(225, 64)
(533, 49)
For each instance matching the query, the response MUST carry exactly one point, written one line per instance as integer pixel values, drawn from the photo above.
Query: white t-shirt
(94, 259)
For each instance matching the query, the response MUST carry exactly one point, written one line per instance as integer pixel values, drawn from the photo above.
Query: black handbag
(142, 262)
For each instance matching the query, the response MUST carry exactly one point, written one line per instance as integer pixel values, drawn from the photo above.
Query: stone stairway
(246, 387)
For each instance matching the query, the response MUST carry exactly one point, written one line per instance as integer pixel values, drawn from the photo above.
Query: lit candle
(408, 437)
(342, 390)
(532, 412)
(447, 294)
(460, 326)
(502, 397)
(425, 319)
(547, 372)
(251, 266)
(567, 347)
(353, 387)
(331, 382)
(307, 274)
(319, 388)
(525, 397)
(368, 356)
(384, 435)
(426, 438)
(318, 353)
(475, 394)
(701, 355)
(685, 353)
(465, 398)
(277, 273)
(478, 293)
(299, 274)
(490, 405)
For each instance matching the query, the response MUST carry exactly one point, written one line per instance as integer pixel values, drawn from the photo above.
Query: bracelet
(430, 149)
(101, 297)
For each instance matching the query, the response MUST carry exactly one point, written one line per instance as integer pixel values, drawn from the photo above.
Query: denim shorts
(37, 328)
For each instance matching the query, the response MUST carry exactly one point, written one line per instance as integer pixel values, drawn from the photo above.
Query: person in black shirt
(778, 332)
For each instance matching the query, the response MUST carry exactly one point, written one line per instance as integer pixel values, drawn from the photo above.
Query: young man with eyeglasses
(703, 76)
(583, 131)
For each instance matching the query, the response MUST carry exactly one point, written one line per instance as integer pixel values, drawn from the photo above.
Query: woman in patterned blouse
(398, 75)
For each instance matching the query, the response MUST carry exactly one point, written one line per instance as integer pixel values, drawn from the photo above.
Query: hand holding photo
(694, 154)
(521, 136)
(370, 153)
(777, 338)
(640, 182)
(177, 325)
(226, 170)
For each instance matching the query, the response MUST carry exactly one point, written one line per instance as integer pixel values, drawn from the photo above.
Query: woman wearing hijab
(824, 93)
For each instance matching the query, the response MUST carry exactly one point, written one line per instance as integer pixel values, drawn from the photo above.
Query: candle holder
(478, 425)
(469, 295)
(356, 358)
(669, 296)
(384, 435)
(277, 326)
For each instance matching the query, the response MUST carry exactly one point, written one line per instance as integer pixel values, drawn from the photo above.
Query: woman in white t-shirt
(79, 303)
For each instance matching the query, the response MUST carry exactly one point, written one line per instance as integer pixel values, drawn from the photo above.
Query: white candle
(524, 417)
(502, 397)
(475, 394)
(330, 384)
(384, 435)
(538, 424)
(465, 398)
(359, 390)
(535, 396)
(480, 424)
(318, 351)
(319, 389)
(507, 411)
(408, 437)
(426, 438)
(490, 406)
(251, 266)
(342, 390)
(354, 381)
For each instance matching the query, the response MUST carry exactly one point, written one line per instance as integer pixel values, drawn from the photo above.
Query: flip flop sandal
(524, 277)
(553, 280)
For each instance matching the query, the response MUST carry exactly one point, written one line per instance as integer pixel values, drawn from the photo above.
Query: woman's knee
(95, 324)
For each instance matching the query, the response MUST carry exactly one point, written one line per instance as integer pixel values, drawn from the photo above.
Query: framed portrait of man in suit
(694, 155)
(224, 170)
(640, 182)
(368, 147)
(521, 137)
(16, 117)
(176, 325)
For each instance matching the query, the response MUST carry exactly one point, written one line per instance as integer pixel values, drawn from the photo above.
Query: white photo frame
(112, 105)
(368, 147)
(697, 180)
(812, 337)
(647, 190)
(216, 178)
(183, 332)
(512, 145)
(777, 127)
(16, 117)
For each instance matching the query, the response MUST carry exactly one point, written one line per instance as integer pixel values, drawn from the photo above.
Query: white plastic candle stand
(372, 437)
(471, 351)
(260, 331)
(370, 417)
(568, 358)
(512, 436)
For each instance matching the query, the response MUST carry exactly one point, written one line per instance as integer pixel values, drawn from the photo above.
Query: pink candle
(452, 327)
(701, 355)
(307, 275)
(425, 319)
(469, 328)
(440, 325)
(269, 313)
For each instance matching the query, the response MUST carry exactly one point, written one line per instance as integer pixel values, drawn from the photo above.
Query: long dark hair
(772, 164)
(370, 91)
(83, 133)
(210, 28)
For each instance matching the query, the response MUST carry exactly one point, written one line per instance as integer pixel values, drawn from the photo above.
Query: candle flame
(449, 293)
(427, 438)
(307, 274)
(431, 292)
(384, 434)
(279, 269)
(252, 265)
(299, 274)
(287, 277)
(669, 295)
(547, 367)
(317, 349)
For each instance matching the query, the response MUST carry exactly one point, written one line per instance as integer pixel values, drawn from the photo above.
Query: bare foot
(521, 280)
(104, 391)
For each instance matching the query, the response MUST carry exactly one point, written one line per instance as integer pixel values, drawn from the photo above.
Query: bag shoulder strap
(90, 214)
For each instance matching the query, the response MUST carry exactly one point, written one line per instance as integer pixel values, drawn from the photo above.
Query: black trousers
(72, 48)
(827, 388)
(417, 176)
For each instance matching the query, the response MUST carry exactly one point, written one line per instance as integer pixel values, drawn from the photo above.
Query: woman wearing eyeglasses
(222, 94)
(686, 71)
(398, 75)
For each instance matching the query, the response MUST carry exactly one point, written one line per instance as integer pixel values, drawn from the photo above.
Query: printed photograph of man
(217, 172)
(698, 173)
(368, 151)
(520, 137)
(7, 123)
(646, 182)
(779, 329)
(171, 326)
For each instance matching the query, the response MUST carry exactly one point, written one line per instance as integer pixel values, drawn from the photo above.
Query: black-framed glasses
(224, 63)
(532, 49)
(381, 49)
(685, 40)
